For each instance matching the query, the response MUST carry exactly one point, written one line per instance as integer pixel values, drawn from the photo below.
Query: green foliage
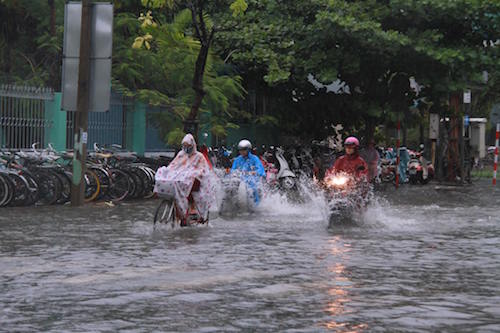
(238, 7)
(272, 50)
(162, 75)
(174, 137)
(30, 47)
(444, 44)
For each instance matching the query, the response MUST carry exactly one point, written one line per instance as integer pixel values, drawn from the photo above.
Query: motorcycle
(286, 177)
(240, 191)
(419, 170)
(347, 198)
(388, 171)
(279, 176)
(302, 162)
(221, 157)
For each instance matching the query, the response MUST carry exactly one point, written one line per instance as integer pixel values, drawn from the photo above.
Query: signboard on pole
(433, 126)
(100, 56)
(495, 114)
(467, 96)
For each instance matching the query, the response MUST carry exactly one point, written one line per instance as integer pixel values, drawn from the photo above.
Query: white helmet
(244, 144)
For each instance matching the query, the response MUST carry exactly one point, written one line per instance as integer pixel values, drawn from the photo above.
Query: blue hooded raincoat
(246, 165)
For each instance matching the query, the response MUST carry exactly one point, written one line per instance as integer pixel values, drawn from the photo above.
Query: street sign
(466, 120)
(100, 56)
(433, 126)
(495, 114)
(467, 96)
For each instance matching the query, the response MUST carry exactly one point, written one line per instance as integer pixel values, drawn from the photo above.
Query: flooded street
(422, 260)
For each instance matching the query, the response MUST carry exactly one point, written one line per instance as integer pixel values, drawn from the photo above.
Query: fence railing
(22, 116)
(29, 115)
(104, 128)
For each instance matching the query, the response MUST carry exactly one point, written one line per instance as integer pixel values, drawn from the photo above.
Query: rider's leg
(256, 196)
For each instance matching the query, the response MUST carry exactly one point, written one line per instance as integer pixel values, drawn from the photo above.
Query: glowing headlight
(340, 180)
(337, 181)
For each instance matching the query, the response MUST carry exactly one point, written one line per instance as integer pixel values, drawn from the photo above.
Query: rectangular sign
(100, 56)
(433, 126)
(467, 96)
(495, 114)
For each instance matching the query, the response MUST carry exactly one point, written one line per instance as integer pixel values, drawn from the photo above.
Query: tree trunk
(421, 132)
(52, 17)
(191, 123)
(404, 126)
(369, 129)
(54, 70)
(205, 37)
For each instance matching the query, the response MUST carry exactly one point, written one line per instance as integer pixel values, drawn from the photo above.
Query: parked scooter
(387, 171)
(301, 161)
(286, 177)
(419, 170)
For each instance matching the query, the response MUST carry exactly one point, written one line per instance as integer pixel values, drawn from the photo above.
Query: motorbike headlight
(337, 181)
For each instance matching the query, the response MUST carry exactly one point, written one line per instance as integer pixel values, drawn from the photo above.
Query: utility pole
(81, 116)
(467, 157)
(454, 154)
(398, 153)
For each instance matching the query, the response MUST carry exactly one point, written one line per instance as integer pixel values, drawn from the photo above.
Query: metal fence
(154, 140)
(22, 116)
(29, 115)
(104, 128)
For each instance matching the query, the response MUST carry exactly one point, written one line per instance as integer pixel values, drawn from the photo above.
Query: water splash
(308, 201)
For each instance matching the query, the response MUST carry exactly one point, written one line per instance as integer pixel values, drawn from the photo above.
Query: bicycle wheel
(149, 181)
(146, 185)
(65, 182)
(104, 179)
(6, 191)
(139, 189)
(21, 196)
(120, 185)
(34, 192)
(165, 213)
(92, 186)
(132, 183)
(49, 186)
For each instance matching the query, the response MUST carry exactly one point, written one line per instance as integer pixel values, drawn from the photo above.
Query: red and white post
(398, 156)
(495, 164)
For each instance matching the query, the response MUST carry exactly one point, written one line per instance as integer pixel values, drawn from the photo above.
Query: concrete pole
(81, 121)
(495, 164)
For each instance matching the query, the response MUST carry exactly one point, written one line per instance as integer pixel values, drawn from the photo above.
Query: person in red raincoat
(351, 163)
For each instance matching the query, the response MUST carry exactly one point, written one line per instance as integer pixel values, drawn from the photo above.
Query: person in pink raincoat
(188, 178)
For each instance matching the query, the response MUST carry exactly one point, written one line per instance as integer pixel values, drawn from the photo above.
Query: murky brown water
(423, 260)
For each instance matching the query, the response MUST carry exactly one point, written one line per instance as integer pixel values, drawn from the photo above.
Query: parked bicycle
(44, 176)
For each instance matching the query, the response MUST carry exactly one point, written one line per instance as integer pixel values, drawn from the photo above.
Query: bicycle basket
(165, 188)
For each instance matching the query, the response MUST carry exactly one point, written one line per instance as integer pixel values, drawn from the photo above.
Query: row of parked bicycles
(44, 176)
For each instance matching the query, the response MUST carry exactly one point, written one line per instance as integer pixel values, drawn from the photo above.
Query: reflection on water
(421, 261)
(339, 289)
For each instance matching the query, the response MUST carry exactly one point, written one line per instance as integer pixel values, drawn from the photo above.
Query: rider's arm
(336, 166)
(235, 164)
(259, 167)
(363, 170)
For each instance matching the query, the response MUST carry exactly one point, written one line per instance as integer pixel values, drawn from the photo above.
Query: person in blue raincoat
(251, 168)
(404, 158)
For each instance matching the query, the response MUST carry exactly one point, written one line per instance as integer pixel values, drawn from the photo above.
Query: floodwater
(421, 260)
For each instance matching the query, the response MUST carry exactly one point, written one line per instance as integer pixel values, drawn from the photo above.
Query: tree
(31, 42)
(444, 45)
(159, 69)
(203, 27)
